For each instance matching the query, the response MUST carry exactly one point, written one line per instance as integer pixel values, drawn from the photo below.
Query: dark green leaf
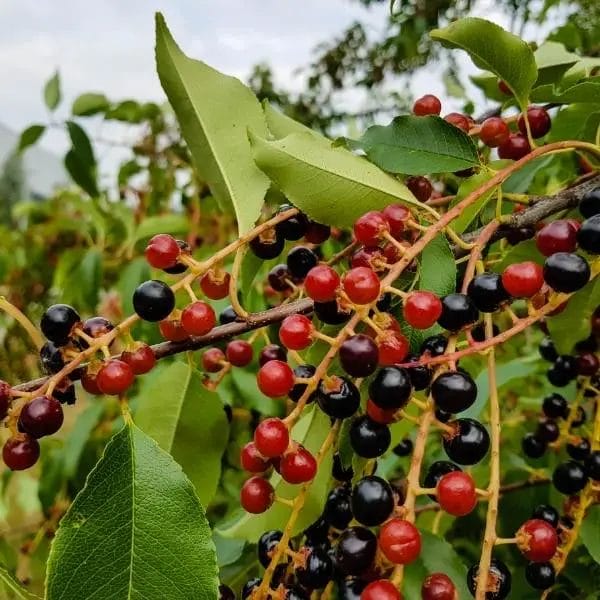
(89, 104)
(137, 530)
(30, 136)
(80, 160)
(418, 145)
(466, 218)
(52, 93)
(589, 532)
(132, 274)
(437, 271)
(128, 111)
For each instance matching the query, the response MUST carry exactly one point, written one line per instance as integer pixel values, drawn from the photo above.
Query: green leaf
(175, 224)
(462, 222)
(576, 122)
(89, 104)
(11, 589)
(552, 60)
(30, 136)
(80, 161)
(589, 532)
(132, 274)
(418, 145)
(493, 49)
(331, 185)
(136, 530)
(437, 271)
(79, 436)
(585, 92)
(214, 112)
(526, 250)
(281, 125)
(488, 84)
(574, 323)
(187, 421)
(310, 431)
(52, 94)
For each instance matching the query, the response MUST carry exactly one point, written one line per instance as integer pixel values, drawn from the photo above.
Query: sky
(107, 46)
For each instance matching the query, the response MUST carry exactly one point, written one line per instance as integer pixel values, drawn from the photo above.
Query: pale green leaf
(331, 185)
(552, 60)
(576, 122)
(493, 49)
(589, 532)
(467, 216)
(437, 272)
(281, 125)
(136, 531)
(89, 104)
(418, 145)
(214, 112)
(11, 589)
(30, 136)
(52, 93)
(175, 224)
(188, 421)
(584, 92)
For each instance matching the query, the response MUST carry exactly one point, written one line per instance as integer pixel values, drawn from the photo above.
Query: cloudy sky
(108, 45)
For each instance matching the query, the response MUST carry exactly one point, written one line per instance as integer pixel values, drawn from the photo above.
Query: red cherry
(239, 353)
(438, 586)
(141, 360)
(393, 348)
(295, 332)
(212, 360)
(361, 285)
(397, 215)
(380, 590)
(456, 493)
(459, 120)
(557, 236)
(422, 309)
(271, 437)
(275, 379)
(427, 105)
(371, 227)
(272, 352)
(162, 251)
(257, 495)
(371, 257)
(5, 397)
(400, 541)
(503, 87)
(252, 460)
(89, 383)
(380, 415)
(494, 131)
(171, 329)
(539, 122)
(114, 377)
(198, 318)
(321, 283)
(40, 417)
(537, 540)
(298, 466)
(420, 186)
(215, 285)
(317, 233)
(587, 364)
(515, 147)
(21, 452)
(523, 280)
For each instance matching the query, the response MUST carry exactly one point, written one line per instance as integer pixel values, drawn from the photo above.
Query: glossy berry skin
(371, 257)
(66, 395)
(539, 122)
(592, 465)
(422, 309)
(427, 105)
(239, 353)
(537, 540)
(272, 352)
(179, 267)
(227, 315)
(51, 358)
(587, 364)
(172, 330)
(546, 513)
(588, 237)
(252, 460)
(212, 360)
(304, 371)
(355, 550)
(141, 359)
(275, 379)
(331, 313)
(362, 285)
(523, 280)
(94, 327)
(300, 261)
(368, 438)
(372, 501)
(162, 251)
(438, 586)
(271, 437)
(370, 228)
(533, 446)
(540, 575)
(565, 272)
(226, 593)
(249, 587)
(548, 350)
(589, 205)
(316, 233)
(57, 323)
(318, 570)
(359, 355)
(420, 187)
(215, 285)
(379, 415)
(494, 131)
(390, 388)
(40, 417)
(400, 541)
(338, 397)
(557, 236)
(114, 377)
(434, 345)
(89, 384)
(381, 589)
(339, 472)
(256, 495)
(153, 300)
(469, 444)
(198, 318)
(295, 332)
(499, 580)
(298, 466)
(569, 477)
(397, 215)
(458, 120)
(454, 391)
(487, 292)
(515, 147)
(547, 430)
(393, 348)
(338, 507)
(321, 283)
(456, 493)
(403, 448)
(267, 542)
(279, 277)
(267, 245)
(420, 376)
(293, 228)
(458, 311)
(20, 453)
